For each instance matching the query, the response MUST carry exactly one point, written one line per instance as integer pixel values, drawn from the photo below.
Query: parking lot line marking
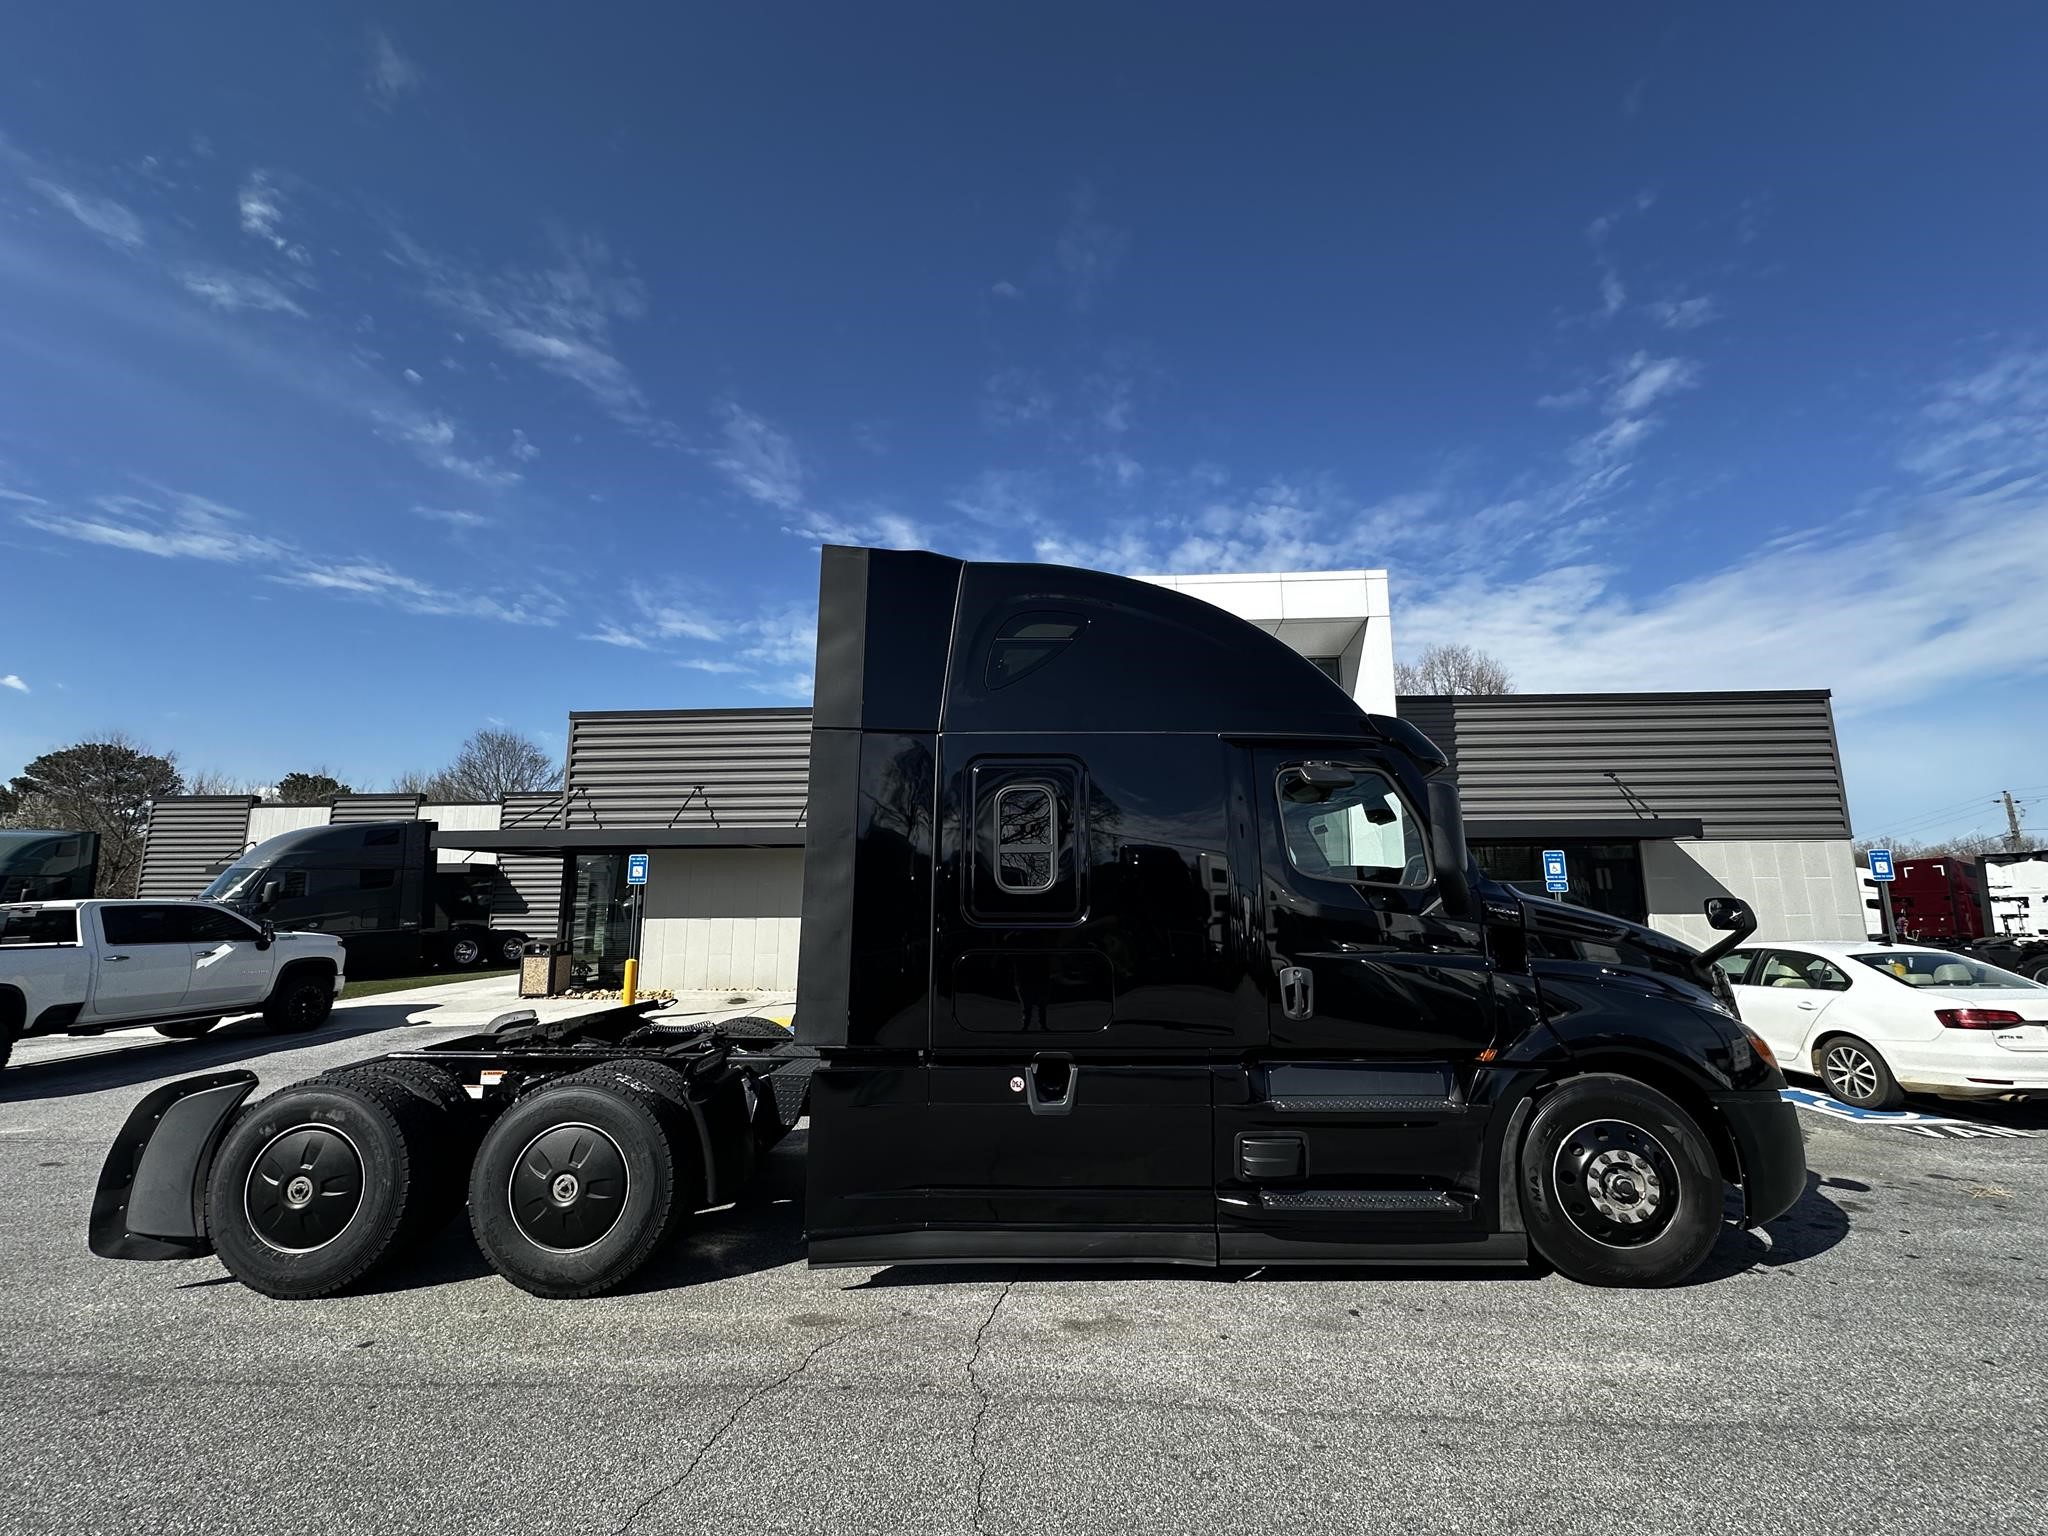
(1908, 1120)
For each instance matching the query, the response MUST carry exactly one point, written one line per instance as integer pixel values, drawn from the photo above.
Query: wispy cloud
(523, 448)
(13, 680)
(1006, 290)
(1012, 397)
(111, 221)
(434, 439)
(558, 317)
(391, 75)
(230, 290)
(172, 525)
(261, 208)
(454, 517)
(1089, 249)
(377, 582)
(1642, 380)
(876, 527)
(706, 664)
(612, 634)
(758, 458)
(1684, 314)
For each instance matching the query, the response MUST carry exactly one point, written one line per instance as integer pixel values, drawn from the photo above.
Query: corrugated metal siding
(529, 894)
(725, 768)
(1748, 765)
(188, 837)
(349, 808)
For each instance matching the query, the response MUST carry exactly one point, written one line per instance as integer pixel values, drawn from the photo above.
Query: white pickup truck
(81, 967)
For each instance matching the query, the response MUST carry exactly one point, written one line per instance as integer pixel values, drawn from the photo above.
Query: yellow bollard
(632, 976)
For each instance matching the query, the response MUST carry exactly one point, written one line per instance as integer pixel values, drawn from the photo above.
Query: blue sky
(368, 374)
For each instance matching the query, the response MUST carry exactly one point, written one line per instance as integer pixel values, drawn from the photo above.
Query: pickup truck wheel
(301, 1002)
(1619, 1185)
(574, 1188)
(318, 1186)
(186, 1029)
(464, 951)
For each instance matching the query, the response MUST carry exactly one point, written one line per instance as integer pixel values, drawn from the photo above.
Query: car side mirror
(266, 937)
(1447, 850)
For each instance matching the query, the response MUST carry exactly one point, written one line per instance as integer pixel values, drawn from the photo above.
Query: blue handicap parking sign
(1880, 864)
(636, 869)
(1553, 866)
(1557, 887)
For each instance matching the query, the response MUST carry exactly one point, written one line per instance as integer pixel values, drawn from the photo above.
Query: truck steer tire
(574, 1187)
(1619, 1185)
(301, 1001)
(318, 1186)
(186, 1029)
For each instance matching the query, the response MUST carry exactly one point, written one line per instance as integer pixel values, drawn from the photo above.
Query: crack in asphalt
(762, 1390)
(981, 1407)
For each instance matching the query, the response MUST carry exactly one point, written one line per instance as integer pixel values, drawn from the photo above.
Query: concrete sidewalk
(473, 1004)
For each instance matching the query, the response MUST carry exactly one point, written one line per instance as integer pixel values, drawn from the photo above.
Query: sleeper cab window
(1023, 853)
(1028, 642)
(1343, 823)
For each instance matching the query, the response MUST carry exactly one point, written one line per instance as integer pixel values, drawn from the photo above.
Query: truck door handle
(110, 959)
(1297, 992)
(1049, 1085)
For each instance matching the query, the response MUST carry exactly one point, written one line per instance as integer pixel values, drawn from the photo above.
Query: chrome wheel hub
(1623, 1186)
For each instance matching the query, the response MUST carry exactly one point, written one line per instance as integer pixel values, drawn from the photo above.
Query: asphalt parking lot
(1874, 1362)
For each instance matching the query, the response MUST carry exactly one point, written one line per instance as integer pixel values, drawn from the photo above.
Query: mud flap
(151, 1200)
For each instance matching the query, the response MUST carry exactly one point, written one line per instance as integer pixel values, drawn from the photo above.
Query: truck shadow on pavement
(150, 1058)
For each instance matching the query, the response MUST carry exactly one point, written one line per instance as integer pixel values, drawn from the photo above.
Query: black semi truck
(374, 885)
(1127, 937)
(48, 865)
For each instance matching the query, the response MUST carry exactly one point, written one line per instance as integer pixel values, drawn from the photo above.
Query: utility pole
(2013, 839)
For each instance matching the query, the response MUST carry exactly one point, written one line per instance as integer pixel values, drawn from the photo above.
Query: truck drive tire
(1619, 1186)
(511, 947)
(574, 1187)
(465, 951)
(186, 1029)
(453, 1126)
(318, 1186)
(301, 1001)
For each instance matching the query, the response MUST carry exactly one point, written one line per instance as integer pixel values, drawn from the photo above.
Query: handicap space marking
(1908, 1120)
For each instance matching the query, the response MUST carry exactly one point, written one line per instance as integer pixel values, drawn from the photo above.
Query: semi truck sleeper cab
(1127, 937)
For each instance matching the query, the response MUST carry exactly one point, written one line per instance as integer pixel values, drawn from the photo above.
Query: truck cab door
(144, 965)
(229, 971)
(1360, 1126)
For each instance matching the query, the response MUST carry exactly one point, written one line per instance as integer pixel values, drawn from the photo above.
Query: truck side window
(125, 927)
(1027, 838)
(1028, 641)
(210, 925)
(1024, 850)
(39, 925)
(1362, 833)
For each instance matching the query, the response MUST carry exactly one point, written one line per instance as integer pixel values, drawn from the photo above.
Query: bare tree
(495, 763)
(428, 786)
(1452, 669)
(1970, 845)
(210, 781)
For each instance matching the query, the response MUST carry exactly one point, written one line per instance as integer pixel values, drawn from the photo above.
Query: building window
(1330, 666)
(1607, 877)
(1027, 838)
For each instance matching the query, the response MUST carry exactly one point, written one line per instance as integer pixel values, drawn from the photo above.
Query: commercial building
(1658, 801)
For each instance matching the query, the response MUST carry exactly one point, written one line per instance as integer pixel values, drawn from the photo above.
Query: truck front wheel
(573, 1188)
(1619, 1185)
(301, 1001)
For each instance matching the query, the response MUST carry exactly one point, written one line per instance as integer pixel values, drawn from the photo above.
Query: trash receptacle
(544, 968)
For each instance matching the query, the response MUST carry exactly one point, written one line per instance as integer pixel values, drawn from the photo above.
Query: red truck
(1939, 898)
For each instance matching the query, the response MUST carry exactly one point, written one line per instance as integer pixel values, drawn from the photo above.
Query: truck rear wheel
(465, 950)
(511, 947)
(453, 1126)
(1619, 1185)
(575, 1186)
(318, 1186)
(301, 1001)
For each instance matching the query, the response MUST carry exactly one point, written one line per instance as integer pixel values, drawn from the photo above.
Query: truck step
(1406, 1202)
(1378, 1103)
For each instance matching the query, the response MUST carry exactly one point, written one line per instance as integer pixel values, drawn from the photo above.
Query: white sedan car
(1875, 1021)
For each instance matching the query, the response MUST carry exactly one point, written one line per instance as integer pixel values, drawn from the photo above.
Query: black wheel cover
(304, 1188)
(568, 1187)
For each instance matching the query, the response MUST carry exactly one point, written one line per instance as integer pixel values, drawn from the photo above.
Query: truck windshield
(234, 883)
(1938, 968)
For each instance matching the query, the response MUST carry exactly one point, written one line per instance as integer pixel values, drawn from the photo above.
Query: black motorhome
(1127, 937)
(48, 866)
(375, 886)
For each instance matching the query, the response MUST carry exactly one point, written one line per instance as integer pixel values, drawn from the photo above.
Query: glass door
(600, 920)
